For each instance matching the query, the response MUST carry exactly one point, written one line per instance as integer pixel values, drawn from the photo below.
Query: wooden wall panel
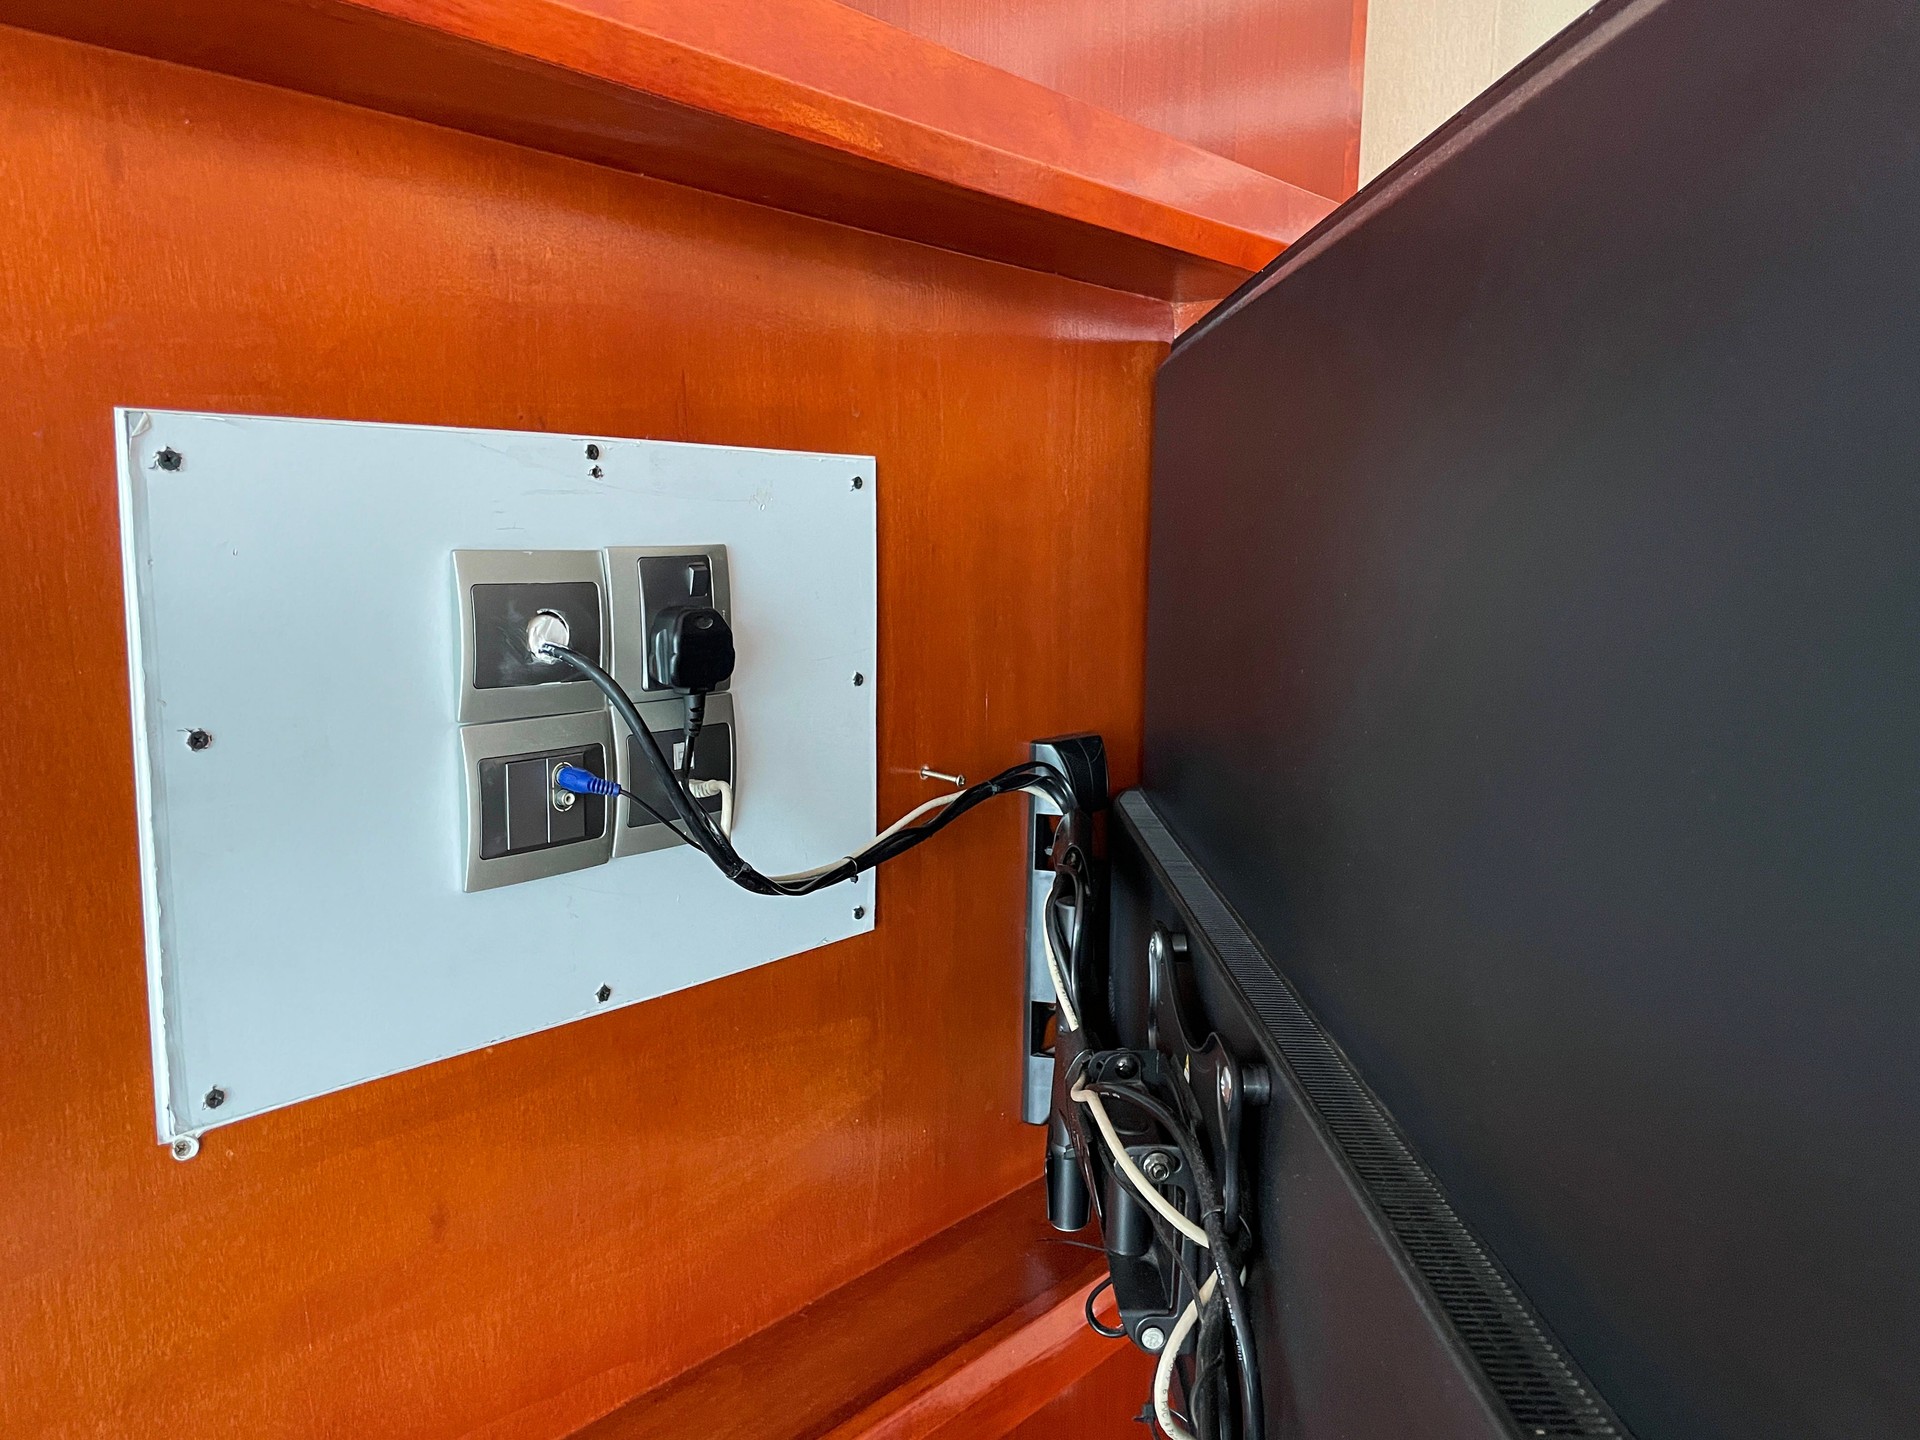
(1105, 1404)
(1273, 84)
(514, 1241)
(805, 105)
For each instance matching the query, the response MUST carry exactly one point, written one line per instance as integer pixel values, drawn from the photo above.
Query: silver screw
(1156, 1167)
(186, 1147)
(1153, 1338)
(959, 782)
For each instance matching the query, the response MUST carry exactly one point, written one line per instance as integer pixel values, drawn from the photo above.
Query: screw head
(859, 912)
(199, 739)
(168, 459)
(593, 451)
(858, 482)
(603, 994)
(185, 1147)
(1156, 1167)
(858, 678)
(1153, 1338)
(1124, 1066)
(216, 1097)
(596, 472)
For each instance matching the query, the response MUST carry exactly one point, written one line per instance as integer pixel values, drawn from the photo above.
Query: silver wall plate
(557, 692)
(537, 735)
(664, 718)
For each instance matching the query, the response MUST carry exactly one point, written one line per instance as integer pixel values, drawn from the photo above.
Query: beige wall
(1427, 58)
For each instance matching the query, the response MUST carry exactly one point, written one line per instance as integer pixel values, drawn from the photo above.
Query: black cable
(1093, 1321)
(690, 731)
(1213, 1221)
(699, 831)
(719, 849)
(1171, 1240)
(1209, 1356)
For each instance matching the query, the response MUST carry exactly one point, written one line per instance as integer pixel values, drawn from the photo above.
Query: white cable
(1141, 1184)
(703, 789)
(1067, 1012)
(1169, 1353)
(939, 802)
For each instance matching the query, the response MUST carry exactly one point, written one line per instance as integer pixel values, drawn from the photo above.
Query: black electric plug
(692, 648)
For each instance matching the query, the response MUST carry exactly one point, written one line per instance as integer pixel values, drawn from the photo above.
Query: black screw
(858, 482)
(216, 1097)
(604, 993)
(593, 452)
(199, 739)
(168, 459)
(596, 472)
(859, 679)
(859, 912)
(1125, 1066)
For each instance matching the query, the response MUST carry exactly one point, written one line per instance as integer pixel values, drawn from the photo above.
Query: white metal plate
(289, 590)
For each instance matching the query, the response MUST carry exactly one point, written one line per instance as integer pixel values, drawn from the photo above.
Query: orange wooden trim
(991, 1384)
(808, 105)
(977, 1327)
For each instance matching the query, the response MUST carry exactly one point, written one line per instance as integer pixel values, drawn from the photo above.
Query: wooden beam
(807, 105)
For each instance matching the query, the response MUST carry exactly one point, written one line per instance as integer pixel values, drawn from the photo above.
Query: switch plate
(642, 580)
(307, 925)
(498, 593)
(509, 795)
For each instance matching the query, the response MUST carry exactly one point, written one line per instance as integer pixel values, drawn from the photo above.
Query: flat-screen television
(1533, 746)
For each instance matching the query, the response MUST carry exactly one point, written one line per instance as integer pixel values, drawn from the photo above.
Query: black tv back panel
(1534, 678)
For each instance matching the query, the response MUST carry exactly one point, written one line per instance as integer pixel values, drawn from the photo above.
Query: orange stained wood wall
(1103, 1405)
(1273, 84)
(510, 1243)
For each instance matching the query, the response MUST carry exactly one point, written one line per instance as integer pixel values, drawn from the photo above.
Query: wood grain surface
(514, 1242)
(965, 1335)
(1104, 1405)
(803, 104)
(1273, 84)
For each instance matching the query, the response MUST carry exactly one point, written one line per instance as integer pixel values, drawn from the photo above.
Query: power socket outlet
(641, 582)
